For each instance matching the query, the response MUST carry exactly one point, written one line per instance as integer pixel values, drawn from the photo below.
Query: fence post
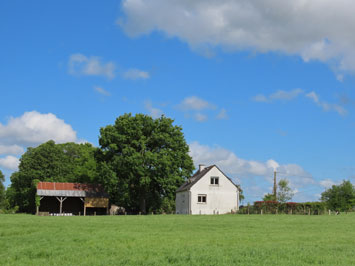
(261, 211)
(329, 212)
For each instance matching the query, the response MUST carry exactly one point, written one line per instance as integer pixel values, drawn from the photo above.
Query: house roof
(197, 176)
(192, 180)
(70, 190)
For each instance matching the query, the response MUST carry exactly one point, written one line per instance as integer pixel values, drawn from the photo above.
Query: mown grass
(178, 240)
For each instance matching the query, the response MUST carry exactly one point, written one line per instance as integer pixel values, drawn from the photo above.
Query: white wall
(221, 198)
(182, 202)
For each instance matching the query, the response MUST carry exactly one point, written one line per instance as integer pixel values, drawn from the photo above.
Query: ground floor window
(202, 198)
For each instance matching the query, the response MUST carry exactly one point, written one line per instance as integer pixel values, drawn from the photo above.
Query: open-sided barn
(72, 198)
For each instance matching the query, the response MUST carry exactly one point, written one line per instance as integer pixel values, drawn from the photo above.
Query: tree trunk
(142, 203)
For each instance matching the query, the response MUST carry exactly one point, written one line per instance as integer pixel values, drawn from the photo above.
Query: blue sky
(255, 87)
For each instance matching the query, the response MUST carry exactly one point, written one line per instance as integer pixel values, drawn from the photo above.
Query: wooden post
(291, 210)
(37, 210)
(309, 211)
(94, 213)
(61, 200)
(261, 211)
(248, 210)
(125, 213)
(83, 200)
(329, 212)
(140, 213)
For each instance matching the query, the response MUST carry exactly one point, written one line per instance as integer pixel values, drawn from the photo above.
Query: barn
(71, 199)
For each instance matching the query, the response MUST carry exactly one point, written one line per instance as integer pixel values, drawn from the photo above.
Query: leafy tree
(285, 193)
(2, 190)
(69, 162)
(341, 197)
(241, 194)
(143, 161)
(269, 197)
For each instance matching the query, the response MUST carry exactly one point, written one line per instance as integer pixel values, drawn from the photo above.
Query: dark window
(202, 198)
(214, 180)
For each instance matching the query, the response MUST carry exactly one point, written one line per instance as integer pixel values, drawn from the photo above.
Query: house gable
(205, 184)
(201, 175)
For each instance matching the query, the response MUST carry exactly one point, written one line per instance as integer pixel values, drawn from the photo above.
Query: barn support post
(83, 200)
(61, 200)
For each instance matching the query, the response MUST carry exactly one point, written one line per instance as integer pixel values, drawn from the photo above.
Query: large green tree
(68, 162)
(143, 161)
(2, 190)
(341, 197)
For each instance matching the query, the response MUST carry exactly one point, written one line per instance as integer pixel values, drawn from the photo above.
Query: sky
(257, 86)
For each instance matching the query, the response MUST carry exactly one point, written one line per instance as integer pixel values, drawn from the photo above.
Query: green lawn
(178, 240)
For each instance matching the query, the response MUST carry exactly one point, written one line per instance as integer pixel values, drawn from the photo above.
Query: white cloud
(280, 95)
(222, 114)
(80, 64)
(326, 106)
(327, 183)
(153, 112)
(136, 74)
(193, 107)
(313, 29)
(234, 165)
(260, 98)
(102, 91)
(33, 128)
(200, 117)
(11, 149)
(195, 103)
(9, 162)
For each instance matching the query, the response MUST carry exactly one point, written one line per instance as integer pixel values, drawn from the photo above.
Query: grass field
(178, 240)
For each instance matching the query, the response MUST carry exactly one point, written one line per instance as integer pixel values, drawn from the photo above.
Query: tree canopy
(269, 197)
(341, 197)
(69, 162)
(285, 193)
(143, 161)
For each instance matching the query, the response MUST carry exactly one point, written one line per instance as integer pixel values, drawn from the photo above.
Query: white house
(208, 191)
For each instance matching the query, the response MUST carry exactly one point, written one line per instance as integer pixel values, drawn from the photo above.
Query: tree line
(140, 161)
(337, 198)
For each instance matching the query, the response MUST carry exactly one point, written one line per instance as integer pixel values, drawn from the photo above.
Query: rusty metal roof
(70, 190)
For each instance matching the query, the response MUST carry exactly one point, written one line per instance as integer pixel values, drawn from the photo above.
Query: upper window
(202, 198)
(214, 180)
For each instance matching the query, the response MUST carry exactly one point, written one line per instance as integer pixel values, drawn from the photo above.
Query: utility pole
(275, 185)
